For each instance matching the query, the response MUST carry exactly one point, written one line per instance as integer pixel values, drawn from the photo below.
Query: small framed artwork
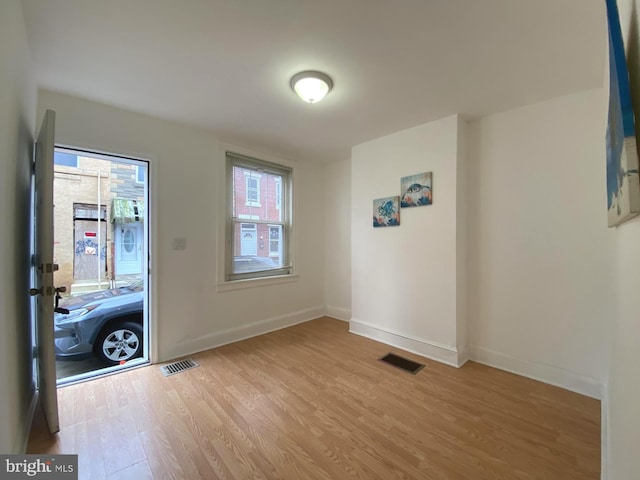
(386, 211)
(416, 190)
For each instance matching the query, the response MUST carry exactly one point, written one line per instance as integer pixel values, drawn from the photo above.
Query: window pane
(251, 249)
(66, 159)
(256, 195)
(140, 173)
(259, 222)
(252, 190)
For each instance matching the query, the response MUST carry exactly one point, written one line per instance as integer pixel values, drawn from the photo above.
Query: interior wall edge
(559, 377)
(432, 350)
(338, 313)
(605, 434)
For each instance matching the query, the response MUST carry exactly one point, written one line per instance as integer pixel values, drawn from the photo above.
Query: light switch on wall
(179, 243)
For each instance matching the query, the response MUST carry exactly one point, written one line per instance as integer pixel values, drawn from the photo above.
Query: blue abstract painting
(386, 212)
(623, 185)
(416, 190)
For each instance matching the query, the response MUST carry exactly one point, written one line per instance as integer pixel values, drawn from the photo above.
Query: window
(140, 174)
(252, 192)
(65, 159)
(278, 194)
(84, 211)
(259, 193)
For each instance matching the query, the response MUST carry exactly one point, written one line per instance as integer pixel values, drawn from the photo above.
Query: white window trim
(287, 273)
(256, 282)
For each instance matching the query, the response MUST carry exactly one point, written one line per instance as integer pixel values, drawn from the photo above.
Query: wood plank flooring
(313, 402)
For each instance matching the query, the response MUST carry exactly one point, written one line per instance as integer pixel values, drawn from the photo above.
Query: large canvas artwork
(416, 190)
(386, 212)
(623, 185)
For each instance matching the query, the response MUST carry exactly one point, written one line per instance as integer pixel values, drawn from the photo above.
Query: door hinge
(49, 267)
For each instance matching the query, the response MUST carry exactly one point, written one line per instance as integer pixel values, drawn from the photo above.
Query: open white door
(43, 263)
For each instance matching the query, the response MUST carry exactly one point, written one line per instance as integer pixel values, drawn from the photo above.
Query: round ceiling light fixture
(311, 86)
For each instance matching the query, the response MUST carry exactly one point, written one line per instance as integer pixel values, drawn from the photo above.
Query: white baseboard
(224, 337)
(537, 371)
(463, 355)
(605, 438)
(339, 313)
(419, 346)
(21, 446)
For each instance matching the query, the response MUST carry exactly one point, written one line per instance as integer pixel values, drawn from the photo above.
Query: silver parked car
(107, 323)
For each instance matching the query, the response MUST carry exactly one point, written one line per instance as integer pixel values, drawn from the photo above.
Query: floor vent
(402, 363)
(177, 367)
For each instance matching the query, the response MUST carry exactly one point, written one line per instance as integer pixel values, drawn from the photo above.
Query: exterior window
(65, 159)
(140, 174)
(278, 194)
(258, 219)
(252, 196)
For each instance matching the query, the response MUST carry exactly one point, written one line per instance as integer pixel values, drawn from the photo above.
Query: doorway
(101, 247)
(128, 248)
(249, 240)
(87, 266)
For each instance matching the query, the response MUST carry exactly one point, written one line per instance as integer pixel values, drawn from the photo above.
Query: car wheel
(119, 342)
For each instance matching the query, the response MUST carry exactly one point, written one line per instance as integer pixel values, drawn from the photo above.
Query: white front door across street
(249, 240)
(128, 248)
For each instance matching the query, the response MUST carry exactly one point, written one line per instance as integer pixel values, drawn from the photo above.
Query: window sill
(255, 282)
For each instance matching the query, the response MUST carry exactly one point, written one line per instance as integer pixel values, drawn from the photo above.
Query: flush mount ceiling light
(311, 86)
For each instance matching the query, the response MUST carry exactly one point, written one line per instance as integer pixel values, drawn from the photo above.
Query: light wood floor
(313, 402)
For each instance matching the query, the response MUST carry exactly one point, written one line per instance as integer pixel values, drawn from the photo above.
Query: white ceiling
(225, 65)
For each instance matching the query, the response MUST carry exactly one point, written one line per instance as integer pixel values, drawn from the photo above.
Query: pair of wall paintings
(417, 190)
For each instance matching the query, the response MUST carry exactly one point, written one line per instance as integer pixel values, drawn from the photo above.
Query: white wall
(17, 122)
(623, 408)
(541, 259)
(188, 168)
(404, 278)
(337, 246)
